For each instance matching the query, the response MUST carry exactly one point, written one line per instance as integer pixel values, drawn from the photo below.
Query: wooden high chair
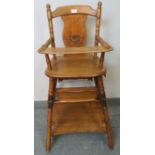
(81, 109)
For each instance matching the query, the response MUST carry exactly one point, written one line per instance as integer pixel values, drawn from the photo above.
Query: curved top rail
(74, 9)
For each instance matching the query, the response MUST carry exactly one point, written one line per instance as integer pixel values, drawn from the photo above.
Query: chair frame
(47, 51)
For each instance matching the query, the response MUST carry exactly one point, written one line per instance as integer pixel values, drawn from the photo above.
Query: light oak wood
(78, 117)
(76, 89)
(45, 45)
(74, 9)
(74, 50)
(75, 66)
(99, 39)
(51, 30)
(50, 24)
(82, 109)
(49, 133)
(102, 96)
(74, 31)
(103, 43)
(98, 22)
(78, 95)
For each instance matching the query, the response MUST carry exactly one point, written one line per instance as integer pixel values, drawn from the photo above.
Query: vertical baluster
(50, 24)
(98, 22)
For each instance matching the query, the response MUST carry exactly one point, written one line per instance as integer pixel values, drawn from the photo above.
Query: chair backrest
(74, 18)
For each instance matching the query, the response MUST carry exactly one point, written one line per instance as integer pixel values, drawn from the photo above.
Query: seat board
(73, 66)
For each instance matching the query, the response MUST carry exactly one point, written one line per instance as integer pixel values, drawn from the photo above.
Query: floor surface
(76, 144)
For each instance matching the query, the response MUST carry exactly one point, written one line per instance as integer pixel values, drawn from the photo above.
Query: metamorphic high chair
(76, 109)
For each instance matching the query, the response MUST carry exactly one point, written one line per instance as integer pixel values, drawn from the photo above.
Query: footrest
(78, 95)
(77, 118)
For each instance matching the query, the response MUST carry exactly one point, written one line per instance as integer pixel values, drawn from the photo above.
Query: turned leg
(98, 98)
(52, 84)
(105, 111)
(97, 88)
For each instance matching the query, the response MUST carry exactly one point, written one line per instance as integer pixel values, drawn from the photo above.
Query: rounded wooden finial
(100, 3)
(48, 6)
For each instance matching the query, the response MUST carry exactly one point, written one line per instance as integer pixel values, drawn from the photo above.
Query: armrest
(45, 46)
(74, 50)
(103, 43)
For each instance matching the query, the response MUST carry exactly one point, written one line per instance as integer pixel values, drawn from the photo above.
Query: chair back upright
(74, 19)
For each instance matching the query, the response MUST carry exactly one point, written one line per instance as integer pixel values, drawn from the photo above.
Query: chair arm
(74, 50)
(41, 50)
(45, 46)
(103, 43)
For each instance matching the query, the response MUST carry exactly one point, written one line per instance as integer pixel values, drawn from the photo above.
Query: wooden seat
(82, 109)
(73, 66)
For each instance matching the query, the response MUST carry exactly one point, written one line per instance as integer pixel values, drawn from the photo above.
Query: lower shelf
(78, 117)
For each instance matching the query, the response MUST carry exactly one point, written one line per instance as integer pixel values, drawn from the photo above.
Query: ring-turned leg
(52, 85)
(105, 110)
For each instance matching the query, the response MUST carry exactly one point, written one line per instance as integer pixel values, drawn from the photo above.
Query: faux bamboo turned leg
(105, 110)
(52, 84)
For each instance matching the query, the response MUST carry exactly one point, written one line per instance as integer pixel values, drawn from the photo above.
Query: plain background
(110, 31)
(137, 77)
